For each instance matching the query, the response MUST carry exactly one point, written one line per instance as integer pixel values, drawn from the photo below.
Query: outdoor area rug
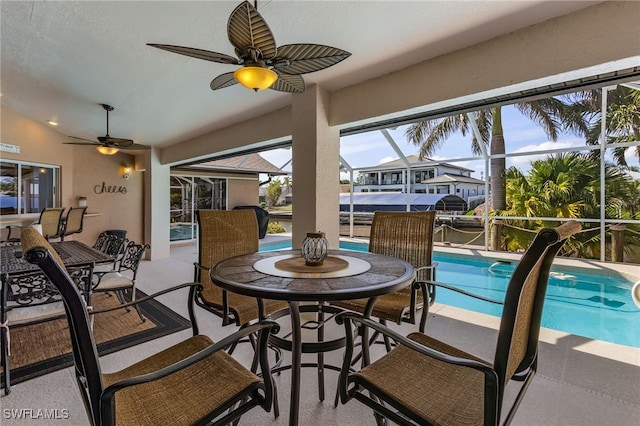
(42, 348)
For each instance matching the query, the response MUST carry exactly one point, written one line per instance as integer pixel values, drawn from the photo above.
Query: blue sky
(521, 135)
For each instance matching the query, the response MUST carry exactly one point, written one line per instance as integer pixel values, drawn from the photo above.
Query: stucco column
(316, 176)
(156, 206)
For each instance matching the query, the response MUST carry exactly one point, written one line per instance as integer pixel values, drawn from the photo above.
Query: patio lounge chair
(192, 382)
(425, 381)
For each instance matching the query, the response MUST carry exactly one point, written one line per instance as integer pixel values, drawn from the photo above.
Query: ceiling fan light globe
(255, 78)
(107, 150)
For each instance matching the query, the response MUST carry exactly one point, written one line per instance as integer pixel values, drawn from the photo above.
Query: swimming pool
(181, 231)
(578, 303)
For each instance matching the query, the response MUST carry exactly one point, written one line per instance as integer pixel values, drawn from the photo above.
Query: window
(28, 187)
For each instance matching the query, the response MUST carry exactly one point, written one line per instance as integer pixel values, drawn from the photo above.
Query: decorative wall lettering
(109, 189)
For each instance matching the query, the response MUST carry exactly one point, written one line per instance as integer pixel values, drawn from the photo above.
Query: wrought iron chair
(74, 221)
(113, 245)
(123, 280)
(101, 242)
(407, 236)
(426, 381)
(51, 221)
(192, 382)
(223, 234)
(9, 240)
(27, 299)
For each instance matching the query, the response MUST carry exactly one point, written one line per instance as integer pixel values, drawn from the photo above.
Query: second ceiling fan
(107, 144)
(264, 65)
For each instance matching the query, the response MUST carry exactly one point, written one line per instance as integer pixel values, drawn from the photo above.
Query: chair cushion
(437, 392)
(114, 281)
(390, 307)
(34, 313)
(184, 397)
(244, 307)
(103, 268)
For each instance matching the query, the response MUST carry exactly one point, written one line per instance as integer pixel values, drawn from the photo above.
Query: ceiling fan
(108, 145)
(263, 64)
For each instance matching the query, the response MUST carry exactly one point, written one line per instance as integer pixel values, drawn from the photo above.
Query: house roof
(414, 162)
(449, 178)
(249, 163)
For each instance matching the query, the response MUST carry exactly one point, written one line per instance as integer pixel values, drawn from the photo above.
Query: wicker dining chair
(73, 223)
(192, 382)
(407, 236)
(425, 381)
(223, 234)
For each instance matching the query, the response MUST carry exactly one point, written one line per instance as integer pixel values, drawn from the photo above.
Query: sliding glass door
(188, 194)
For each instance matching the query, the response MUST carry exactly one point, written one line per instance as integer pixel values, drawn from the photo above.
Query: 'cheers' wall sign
(109, 189)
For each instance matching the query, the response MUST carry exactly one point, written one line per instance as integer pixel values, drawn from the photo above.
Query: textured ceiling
(60, 60)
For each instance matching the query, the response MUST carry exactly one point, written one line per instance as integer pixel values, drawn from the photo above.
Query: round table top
(384, 275)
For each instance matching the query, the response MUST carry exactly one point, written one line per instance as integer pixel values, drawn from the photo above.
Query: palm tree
(622, 119)
(549, 113)
(568, 186)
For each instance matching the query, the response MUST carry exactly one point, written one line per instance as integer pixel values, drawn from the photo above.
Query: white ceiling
(60, 60)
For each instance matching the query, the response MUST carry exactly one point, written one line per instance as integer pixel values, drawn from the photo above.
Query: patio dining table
(72, 253)
(283, 275)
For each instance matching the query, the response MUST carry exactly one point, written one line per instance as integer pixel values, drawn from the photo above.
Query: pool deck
(580, 381)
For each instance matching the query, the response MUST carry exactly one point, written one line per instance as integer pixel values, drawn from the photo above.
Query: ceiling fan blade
(207, 55)
(115, 142)
(288, 83)
(136, 146)
(305, 58)
(81, 143)
(222, 81)
(246, 28)
(81, 139)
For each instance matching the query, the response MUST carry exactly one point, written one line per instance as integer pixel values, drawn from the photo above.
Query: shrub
(275, 228)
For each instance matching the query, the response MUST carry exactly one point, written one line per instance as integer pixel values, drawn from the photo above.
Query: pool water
(577, 303)
(585, 305)
(180, 232)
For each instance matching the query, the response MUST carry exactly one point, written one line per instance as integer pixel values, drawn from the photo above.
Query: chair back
(132, 256)
(74, 221)
(102, 241)
(225, 233)
(85, 355)
(51, 221)
(405, 235)
(114, 245)
(517, 345)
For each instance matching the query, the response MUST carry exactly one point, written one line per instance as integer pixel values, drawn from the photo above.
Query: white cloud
(631, 157)
(524, 162)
